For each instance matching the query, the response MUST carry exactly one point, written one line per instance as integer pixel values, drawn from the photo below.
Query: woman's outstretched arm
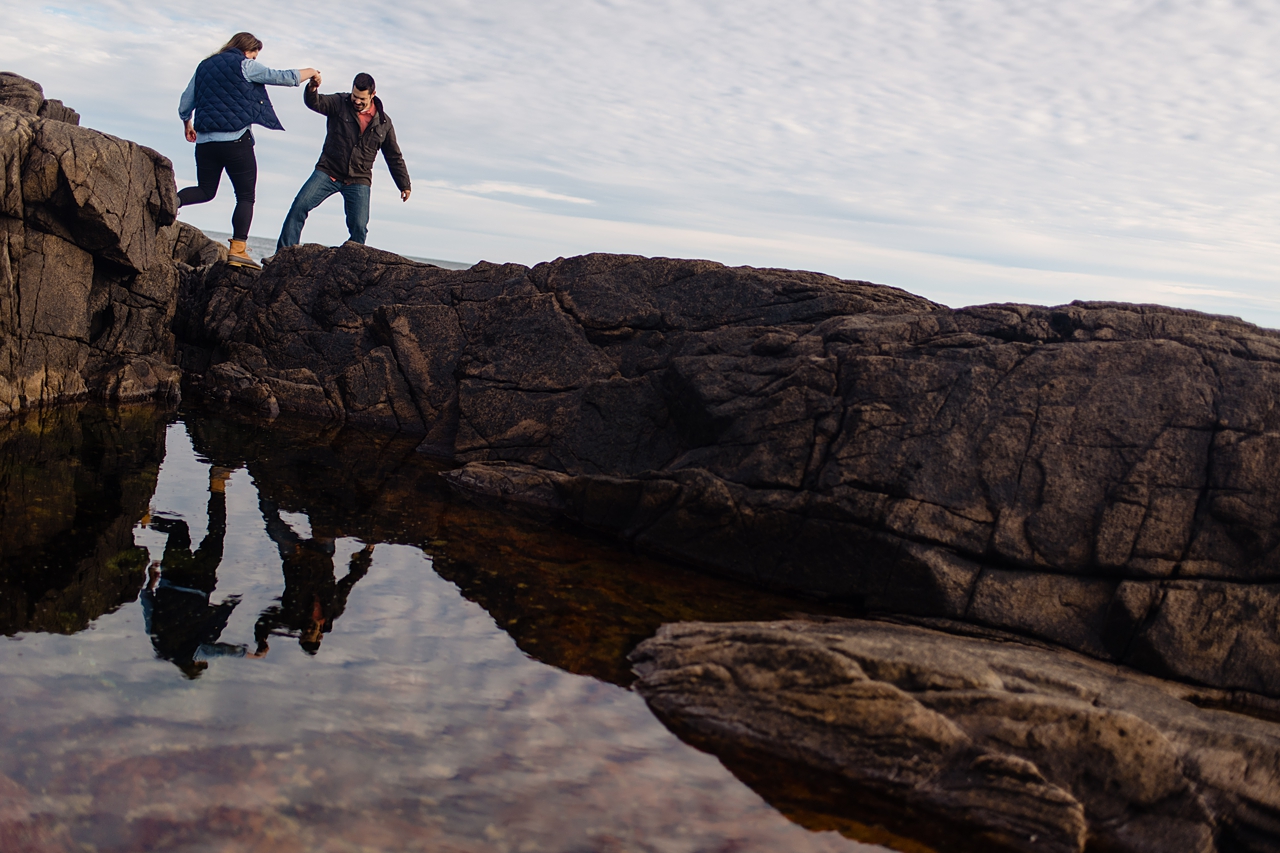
(255, 72)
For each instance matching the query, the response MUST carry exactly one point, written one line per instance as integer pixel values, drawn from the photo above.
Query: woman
(227, 94)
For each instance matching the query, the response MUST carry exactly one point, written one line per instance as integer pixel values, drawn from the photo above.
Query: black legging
(242, 168)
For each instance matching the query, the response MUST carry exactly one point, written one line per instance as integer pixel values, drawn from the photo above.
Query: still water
(229, 635)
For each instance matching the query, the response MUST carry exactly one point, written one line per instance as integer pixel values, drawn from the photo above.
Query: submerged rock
(1036, 749)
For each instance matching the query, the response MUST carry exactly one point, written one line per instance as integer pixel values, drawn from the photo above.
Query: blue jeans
(355, 199)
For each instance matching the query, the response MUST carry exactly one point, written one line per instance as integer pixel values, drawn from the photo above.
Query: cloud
(1134, 141)
(495, 187)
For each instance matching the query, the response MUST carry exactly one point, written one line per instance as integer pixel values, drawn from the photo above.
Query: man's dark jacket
(348, 154)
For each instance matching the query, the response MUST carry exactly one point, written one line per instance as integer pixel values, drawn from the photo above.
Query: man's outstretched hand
(315, 79)
(404, 195)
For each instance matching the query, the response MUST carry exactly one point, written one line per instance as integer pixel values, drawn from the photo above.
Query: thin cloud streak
(494, 187)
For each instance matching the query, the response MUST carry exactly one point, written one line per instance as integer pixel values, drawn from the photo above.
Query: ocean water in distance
(265, 247)
(227, 635)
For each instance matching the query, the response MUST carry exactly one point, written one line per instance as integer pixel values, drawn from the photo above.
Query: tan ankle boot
(239, 256)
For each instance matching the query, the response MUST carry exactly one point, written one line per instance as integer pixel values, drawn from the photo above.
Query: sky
(970, 151)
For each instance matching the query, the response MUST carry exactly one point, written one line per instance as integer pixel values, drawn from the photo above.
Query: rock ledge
(1037, 749)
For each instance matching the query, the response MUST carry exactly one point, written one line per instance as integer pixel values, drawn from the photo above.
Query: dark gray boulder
(90, 258)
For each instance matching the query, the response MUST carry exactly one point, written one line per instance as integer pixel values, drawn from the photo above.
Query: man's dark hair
(363, 82)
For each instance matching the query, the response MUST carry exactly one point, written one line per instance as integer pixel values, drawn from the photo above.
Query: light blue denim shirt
(255, 72)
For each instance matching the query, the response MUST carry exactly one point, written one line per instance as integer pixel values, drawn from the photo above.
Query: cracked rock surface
(1034, 749)
(1102, 476)
(90, 258)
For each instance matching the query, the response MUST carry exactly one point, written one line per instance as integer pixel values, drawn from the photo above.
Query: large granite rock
(90, 258)
(1031, 748)
(1097, 475)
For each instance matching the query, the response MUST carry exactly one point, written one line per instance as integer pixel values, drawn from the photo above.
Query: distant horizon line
(223, 236)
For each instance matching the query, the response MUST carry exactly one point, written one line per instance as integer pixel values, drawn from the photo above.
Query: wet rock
(1035, 748)
(1097, 475)
(90, 259)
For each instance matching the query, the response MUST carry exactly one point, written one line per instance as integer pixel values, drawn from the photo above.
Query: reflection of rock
(73, 483)
(1099, 476)
(350, 482)
(1039, 749)
(89, 258)
(572, 602)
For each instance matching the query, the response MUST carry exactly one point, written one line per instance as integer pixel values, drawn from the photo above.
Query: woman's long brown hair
(243, 42)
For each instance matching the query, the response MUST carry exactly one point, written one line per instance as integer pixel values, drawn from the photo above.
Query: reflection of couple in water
(185, 625)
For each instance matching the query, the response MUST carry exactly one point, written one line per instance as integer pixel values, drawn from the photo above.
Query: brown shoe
(239, 256)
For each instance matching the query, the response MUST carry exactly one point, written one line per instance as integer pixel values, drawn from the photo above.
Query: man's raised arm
(323, 104)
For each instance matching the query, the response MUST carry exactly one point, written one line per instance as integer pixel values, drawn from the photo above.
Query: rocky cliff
(90, 258)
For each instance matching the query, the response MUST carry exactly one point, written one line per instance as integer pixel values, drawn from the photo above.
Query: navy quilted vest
(225, 101)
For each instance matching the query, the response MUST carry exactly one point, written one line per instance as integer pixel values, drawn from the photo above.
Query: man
(358, 129)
